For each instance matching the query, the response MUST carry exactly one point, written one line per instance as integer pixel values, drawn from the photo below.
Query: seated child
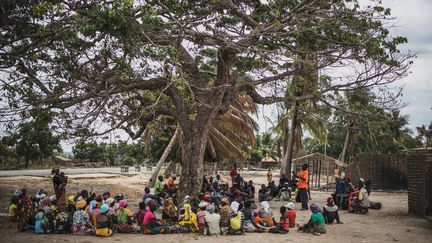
(200, 215)
(316, 224)
(291, 214)
(283, 226)
(13, 209)
(40, 222)
(331, 212)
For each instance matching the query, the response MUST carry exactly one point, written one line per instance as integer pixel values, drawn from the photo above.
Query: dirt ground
(390, 224)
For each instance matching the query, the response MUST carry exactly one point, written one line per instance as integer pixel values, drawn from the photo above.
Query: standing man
(303, 187)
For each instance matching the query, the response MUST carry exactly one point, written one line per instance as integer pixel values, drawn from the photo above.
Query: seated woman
(235, 220)
(360, 201)
(331, 212)
(212, 222)
(103, 222)
(283, 226)
(248, 223)
(316, 224)
(140, 214)
(224, 210)
(169, 213)
(124, 218)
(81, 221)
(188, 221)
(266, 214)
(150, 224)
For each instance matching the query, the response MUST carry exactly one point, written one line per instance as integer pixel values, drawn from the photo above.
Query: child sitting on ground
(201, 215)
(316, 224)
(291, 214)
(331, 212)
(283, 226)
(13, 209)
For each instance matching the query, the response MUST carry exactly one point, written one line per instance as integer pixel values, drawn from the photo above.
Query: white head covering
(290, 205)
(234, 206)
(265, 205)
(53, 198)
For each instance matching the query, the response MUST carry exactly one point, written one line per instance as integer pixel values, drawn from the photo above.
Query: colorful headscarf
(330, 201)
(71, 200)
(224, 201)
(123, 203)
(104, 208)
(55, 169)
(81, 204)
(314, 208)
(92, 205)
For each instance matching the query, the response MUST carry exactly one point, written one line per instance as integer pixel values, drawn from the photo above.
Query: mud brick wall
(420, 182)
(385, 171)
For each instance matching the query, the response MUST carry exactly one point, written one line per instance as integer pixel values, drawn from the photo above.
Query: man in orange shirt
(303, 177)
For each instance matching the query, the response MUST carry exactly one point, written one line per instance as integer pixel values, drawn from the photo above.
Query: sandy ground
(390, 224)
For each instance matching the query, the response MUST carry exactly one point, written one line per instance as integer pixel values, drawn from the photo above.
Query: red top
(233, 171)
(149, 215)
(292, 217)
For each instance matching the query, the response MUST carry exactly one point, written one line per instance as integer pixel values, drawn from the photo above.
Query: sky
(414, 21)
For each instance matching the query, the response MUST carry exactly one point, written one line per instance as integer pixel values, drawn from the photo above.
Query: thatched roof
(61, 158)
(268, 159)
(319, 156)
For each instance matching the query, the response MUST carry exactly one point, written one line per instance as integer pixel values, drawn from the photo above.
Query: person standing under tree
(303, 186)
(269, 175)
(59, 182)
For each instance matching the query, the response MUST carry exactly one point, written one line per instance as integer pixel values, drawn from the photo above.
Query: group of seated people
(354, 199)
(218, 209)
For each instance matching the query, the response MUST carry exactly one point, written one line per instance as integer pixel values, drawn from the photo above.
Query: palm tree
(231, 135)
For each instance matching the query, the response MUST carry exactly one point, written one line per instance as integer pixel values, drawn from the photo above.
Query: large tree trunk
(162, 159)
(193, 148)
(285, 136)
(290, 147)
(344, 149)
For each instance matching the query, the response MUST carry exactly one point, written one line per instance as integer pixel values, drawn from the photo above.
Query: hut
(320, 167)
(268, 162)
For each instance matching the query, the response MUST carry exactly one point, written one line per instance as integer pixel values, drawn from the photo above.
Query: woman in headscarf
(81, 222)
(266, 214)
(59, 182)
(316, 224)
(124, 218)
(235, 220)
(26, 209)
(103, 222)
(224, 210)
(169, 213)
(189, 219)
(150, 224)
